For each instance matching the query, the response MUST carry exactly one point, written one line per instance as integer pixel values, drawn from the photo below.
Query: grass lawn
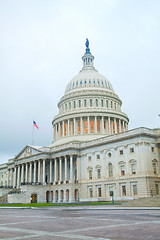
(55, 205)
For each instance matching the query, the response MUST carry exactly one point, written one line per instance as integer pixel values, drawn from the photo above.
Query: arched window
(85, 103)
(79, 103)
(110, 170)
(101, 102)
(74, 104)
(70, 105)
(111, 104)
(90, 102)
(96, 102)
(106, 103)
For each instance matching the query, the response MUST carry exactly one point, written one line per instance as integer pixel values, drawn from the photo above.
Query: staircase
(143, 202)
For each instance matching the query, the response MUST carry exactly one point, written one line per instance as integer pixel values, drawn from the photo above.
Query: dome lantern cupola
(87, 58)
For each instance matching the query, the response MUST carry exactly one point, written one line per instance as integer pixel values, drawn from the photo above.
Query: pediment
(27, 152)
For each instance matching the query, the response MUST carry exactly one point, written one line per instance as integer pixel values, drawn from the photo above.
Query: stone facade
(93, 156)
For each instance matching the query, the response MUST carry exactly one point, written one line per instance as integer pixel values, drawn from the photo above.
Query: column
(120, 126)
(44, 170)
(22, 173)
(88, 125)
(123, 125)
(34, 171)
(60, 169)
(115, 125)
(109, 125)
(81, 125)
(68, 127)
(102, 119)
(59, 130)
(30, 172)
(78, 167)
(74, 120)
(55, 170)
(11, 177)
(51, 171)
(15, 173)
(8, 178)
(95, 124)
(39, 170)
(71, 168)
(65, 168)
(18, 178)
(26, 177)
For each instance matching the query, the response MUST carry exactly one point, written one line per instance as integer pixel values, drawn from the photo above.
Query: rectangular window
(74, 103)
(90, 174)
(96, 102)
(92, 126)
(79, 126)
(153, 149)
(133, 168)
(98, 126)
(123, 190)
(111, 104)
(115, 106)
(134, 190)
(104, 124)
(70, 105)
(65, 129)
(98, 173)
(90, 102)
(98, 157)
(66, 107)
(79, 103)
(157, 189)
(61, 130)
(113, 128)
(99, 192)
(117, 127)
(70, 129)
(122, 170)
(121, 152)
(85, 126)
(131, 150)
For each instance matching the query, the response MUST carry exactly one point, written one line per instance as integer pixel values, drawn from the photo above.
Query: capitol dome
(89, 108)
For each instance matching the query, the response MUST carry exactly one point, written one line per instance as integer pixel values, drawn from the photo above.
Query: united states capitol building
(93, 156)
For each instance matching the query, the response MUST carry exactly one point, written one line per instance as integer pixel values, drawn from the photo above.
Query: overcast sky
(41, 45)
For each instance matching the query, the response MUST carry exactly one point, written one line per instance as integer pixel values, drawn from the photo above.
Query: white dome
(89, 78)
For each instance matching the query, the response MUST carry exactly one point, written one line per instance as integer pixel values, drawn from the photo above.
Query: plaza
(90, 223)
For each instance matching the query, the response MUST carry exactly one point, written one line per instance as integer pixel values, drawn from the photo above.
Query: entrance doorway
(47, 197)
(34, 198)
(76, 195)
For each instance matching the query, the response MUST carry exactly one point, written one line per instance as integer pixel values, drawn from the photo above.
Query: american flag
(35, 124)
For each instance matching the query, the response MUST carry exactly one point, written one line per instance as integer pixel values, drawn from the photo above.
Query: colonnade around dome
(89, 125)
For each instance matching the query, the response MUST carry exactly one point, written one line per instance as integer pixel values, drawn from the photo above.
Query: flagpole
(32, 134)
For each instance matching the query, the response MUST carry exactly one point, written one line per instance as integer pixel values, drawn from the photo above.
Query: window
(70, 129)
(91, 126)
(115, 106)
(61, 130)
(133, 168)
(102, 103)
(79, 126)
(98, 157)
(90, 102)
(131, 150)
(122, 170)
(98, 173)
(104, 124)
(106, 103)
(85, 126)
(109, 155)
(90, 174)
(90, 192)
(111, 105)
(110, 170)
(123, 190)
(79, 103)
(89, 158)
(85, 103)
(99, 192)
(96, 102)
(153, 149)
(65, 128)
(66, 107)
(74, 104)
(134, 189)
(70, 105)
(98, 126)
(154, 167)
(157, 189)
(121, 152)
(113, 127)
